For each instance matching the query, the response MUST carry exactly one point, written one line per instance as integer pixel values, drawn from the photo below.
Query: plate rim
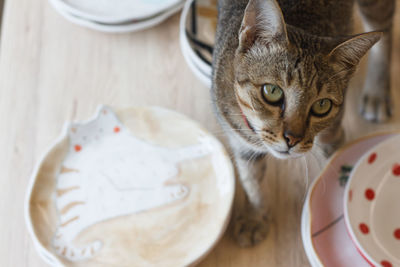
(191, 58)
(132, 27)
(203, 77)
(311, 254)
(112, 20)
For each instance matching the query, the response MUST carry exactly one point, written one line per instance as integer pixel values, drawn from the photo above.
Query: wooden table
(52, 71)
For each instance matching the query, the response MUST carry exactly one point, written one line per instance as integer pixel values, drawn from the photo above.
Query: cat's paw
(376, 107)
(250, 228)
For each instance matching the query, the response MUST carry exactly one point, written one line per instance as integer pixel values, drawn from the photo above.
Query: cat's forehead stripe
(312, 79)
(300, 77)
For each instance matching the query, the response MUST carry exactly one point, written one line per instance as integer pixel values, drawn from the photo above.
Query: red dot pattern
(364, 228)
(397, 233)
(396, 169)
(78, 148)
(117, 129)
(370, 194)
(372, 158)
(386, 264)
(350, 195)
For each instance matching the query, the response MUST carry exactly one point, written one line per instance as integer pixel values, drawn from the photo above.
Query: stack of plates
(117, 16)
(197, 35)
(352, 213)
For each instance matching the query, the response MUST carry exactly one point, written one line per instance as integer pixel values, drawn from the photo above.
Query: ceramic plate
(116, 28)
(372, 204)
(116, 11)
(135, 187)
(197, 34)
(325, 238)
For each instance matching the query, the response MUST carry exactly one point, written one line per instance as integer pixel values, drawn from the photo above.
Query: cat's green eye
(321, 107)
(272, 94)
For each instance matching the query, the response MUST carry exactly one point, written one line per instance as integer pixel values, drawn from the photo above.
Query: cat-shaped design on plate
(126, 184)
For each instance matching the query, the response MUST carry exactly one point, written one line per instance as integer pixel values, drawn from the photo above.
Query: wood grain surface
(52, 71)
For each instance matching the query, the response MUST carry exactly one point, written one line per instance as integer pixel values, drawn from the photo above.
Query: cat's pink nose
(291, 140)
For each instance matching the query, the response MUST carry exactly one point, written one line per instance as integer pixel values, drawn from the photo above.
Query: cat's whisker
(306, 178)
(252, 106)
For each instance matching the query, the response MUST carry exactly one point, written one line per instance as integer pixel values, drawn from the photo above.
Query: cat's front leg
(250, 225)
(376, 102)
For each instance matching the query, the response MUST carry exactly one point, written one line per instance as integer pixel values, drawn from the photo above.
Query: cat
(280, 73)
(108, 173)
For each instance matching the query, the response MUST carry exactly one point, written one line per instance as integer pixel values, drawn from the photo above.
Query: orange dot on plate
(364, 228)
(78, 148)
(396, 169)
(117, 129)
(397, 233)
(369, 194)
(386, 264)
(372, 158)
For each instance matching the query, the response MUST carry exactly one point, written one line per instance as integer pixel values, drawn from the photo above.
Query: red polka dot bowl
(372, 204)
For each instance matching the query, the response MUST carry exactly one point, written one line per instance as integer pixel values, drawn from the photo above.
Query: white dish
(116, 28)
(116, 11)
(127, 189)
(372, 204)
(325, 237)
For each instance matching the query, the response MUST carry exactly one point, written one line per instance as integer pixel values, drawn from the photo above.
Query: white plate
(117, 28)
(127, 188)
(116, 11)
(325, 237)
(372, 204)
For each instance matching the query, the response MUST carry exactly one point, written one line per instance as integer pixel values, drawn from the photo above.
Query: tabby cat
(280, 74)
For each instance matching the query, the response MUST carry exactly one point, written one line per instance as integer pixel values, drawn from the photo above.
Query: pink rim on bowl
(372, 205)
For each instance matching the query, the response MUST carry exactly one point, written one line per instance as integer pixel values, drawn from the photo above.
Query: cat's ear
(349, 53)
(262, 19)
